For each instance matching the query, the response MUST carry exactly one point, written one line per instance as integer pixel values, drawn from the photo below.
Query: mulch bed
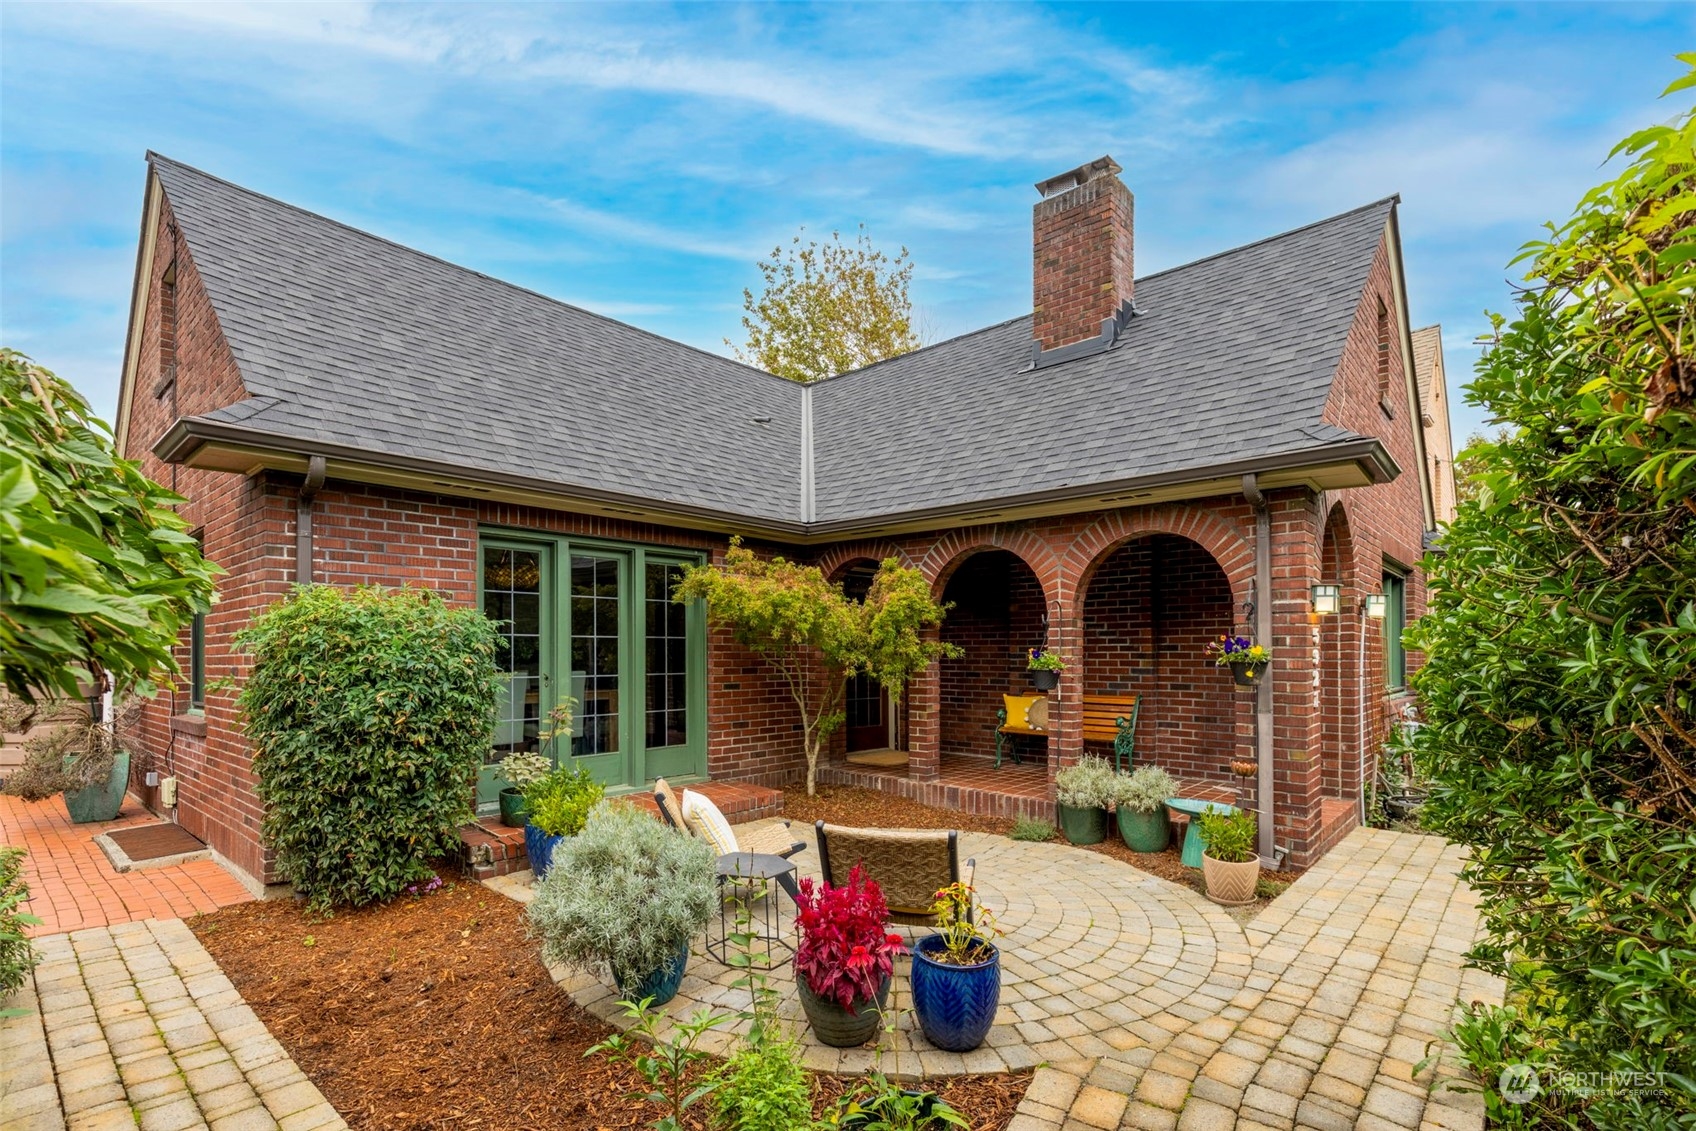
(435, 1012)
(867, 808)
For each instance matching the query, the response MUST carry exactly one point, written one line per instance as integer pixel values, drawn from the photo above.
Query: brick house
(1140, 466)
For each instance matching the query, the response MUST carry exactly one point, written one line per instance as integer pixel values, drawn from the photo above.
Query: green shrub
(368, 711)
(1086, 784)
(17, 956)
(1031, 828)
(1143, 790)
(559, 802)
(763, 1087)
(624, 894)
(1229, 836)
(522, 769)
(1559, 688)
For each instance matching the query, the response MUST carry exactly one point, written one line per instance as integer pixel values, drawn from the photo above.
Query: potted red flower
(844, 957)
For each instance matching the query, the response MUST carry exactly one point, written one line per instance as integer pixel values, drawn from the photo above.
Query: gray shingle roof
(349, 339)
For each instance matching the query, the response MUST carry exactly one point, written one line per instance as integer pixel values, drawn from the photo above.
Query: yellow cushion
(1019, 711)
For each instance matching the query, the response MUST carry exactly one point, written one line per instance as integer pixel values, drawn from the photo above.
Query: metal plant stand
(751, 889)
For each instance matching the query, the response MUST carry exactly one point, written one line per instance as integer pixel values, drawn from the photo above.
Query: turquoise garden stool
(1194, 845)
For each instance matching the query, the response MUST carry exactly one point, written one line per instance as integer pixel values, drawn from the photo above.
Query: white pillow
(708, 823)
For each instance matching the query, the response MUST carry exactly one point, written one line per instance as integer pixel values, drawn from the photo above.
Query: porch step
(488, 848)
(1004, 796)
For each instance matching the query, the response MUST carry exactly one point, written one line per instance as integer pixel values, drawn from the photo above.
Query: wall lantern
(1327, 599)
(1377, 606)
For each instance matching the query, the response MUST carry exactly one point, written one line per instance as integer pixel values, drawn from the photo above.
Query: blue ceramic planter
(662, 984)
(539, 846)
(956, 1004)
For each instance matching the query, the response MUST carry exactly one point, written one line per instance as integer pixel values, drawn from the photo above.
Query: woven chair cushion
(910, 866)
(708, 823)
(670, 807)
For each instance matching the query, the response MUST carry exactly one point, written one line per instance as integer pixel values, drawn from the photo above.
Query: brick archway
(948, 553)
(1341, 644)
(834, 559)
(1231, 550)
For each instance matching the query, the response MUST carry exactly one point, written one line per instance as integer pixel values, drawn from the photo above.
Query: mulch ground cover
(867, 808)
(436, 1012)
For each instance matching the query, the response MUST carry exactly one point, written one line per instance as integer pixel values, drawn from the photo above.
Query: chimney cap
(1083, 174)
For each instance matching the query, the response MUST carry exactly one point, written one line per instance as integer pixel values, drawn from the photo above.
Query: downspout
(1265, 781)
(303, 520)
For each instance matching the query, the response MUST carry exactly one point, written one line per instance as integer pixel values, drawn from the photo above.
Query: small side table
(1194, 843)
(756, 882)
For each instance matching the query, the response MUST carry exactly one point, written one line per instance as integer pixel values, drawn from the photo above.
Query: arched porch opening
(1150, 607)
(1340, 646)
(999, 613)
(874, 729)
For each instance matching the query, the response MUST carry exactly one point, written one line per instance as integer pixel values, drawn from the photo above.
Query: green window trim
(1395, 622)
(197, 664)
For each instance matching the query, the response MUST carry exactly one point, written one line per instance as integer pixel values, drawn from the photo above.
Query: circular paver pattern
(1090, 946)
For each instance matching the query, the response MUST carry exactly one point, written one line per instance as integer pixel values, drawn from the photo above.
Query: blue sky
(638, 160)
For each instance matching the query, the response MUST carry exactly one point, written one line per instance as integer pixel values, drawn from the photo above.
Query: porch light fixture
(1327, 599)
(1377, 606)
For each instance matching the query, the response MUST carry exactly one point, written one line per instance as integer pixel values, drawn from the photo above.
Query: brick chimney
(1083, 265)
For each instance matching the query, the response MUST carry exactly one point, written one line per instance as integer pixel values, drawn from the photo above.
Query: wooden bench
(1101, 724)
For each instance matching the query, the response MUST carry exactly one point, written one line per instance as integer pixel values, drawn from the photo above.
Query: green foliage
(1229, 836)
(815, 636)
(667, 1055)
(1031, 829)
(624, 894)
(1042, 660)
(1088, 783)
(1560, 681)
(98, 575)
(878, 1103)
(763, 1087)
(828, 308)
(523, 769)
(17, 956)
(368, 712)
(967, 927)
(559, 802)
(1143, 790)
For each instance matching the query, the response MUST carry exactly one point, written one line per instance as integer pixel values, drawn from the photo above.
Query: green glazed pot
(102, 801)
(1082, 826)
(1145, 832)
(513, 809)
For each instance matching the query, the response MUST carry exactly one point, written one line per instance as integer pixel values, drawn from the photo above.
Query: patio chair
(768, 840)
(911, 866)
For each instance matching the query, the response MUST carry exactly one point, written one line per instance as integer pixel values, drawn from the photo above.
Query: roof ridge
(1393, 199)
(156, 157)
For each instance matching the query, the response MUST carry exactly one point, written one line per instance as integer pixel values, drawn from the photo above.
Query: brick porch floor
(72, 885)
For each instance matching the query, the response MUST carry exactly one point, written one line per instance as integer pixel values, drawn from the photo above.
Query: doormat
(882, 759)
(151, 846)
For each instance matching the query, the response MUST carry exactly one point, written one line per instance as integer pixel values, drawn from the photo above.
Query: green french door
(632, 659)
(517, 593)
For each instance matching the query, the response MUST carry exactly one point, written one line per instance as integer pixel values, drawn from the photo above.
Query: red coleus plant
(845, 951)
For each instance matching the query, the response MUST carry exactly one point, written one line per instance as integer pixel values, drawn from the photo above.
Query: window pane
(667, 653)
(595, 661)
(1395, 621)
(512, 587)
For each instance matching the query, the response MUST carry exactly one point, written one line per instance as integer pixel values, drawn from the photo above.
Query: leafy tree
(815, 636)
(1468, 465)
(1560, 680)
(98, 574)
(828, 308)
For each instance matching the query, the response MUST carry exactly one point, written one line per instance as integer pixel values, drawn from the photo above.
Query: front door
(867, 708)
(671, 707)
(598, 584)
(518, 597)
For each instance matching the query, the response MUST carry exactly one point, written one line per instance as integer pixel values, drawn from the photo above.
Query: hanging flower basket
(1247, 660)
(1044, 668)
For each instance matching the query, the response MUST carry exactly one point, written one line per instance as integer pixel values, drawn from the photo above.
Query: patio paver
(72, 884)
(135, 1026)
(1144, 1006)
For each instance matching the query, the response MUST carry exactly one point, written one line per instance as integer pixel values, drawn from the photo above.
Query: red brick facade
(1129, 597)
(1084, 266)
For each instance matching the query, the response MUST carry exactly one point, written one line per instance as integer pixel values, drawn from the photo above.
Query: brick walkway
(72, 885)
(142, 1030)
(1149, 1008)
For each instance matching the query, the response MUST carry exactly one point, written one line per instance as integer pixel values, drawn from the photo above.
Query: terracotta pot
(1231, 885)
